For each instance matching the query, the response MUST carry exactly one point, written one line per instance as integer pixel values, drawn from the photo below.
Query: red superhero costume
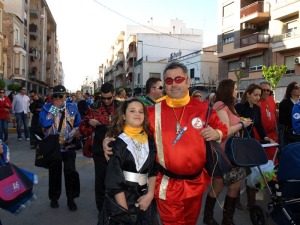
(185, 158)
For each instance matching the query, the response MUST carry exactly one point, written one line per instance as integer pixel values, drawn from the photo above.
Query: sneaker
(27, 139)
(20, 139)
(72, 205)
(54, 204)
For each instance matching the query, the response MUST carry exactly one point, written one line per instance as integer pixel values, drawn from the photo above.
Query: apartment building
(1, 39)
(256, 33)
(140, 53)
(31, 56)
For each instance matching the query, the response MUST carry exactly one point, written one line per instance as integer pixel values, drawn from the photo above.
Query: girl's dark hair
(289, 89)
(117, 124)
(250, 89)
(225, 94)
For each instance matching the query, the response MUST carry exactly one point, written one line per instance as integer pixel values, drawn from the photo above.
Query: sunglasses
(31, 96)
(1, 92)
(57, 96)
(296, 87)
(178, 80)
(266, 90)
(197, 96)
(23, 89)
(160, 87)
(107, 98)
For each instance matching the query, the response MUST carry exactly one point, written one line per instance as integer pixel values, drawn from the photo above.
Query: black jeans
(55, 176)
(100, 164)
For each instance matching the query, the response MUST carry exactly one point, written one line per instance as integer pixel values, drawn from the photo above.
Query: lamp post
(142, 65)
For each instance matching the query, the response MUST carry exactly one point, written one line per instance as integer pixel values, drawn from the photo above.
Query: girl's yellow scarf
(176, 103)
(136, 133)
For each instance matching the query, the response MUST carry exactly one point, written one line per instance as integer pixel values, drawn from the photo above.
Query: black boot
(251, 196)
(209, 211)
(229, 208)
(238, 204)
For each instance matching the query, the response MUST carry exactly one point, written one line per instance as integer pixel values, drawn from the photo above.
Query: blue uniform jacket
(47, 121)
(296, 118)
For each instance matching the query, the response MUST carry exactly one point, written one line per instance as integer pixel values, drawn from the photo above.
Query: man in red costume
(268, 117)
(178, 124)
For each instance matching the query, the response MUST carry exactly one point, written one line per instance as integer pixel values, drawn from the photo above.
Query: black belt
(177, 176)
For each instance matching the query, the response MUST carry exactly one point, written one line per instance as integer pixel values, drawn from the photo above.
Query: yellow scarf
(136, 133)
(176, 103)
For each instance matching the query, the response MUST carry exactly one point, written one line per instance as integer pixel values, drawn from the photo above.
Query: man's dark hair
(107, 87)
(175, 65)
(22, 87)
(150, 82)
(33, 91)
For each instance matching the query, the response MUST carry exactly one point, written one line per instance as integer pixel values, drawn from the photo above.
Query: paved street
(39, 211)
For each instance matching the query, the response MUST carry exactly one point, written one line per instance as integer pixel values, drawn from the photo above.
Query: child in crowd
(131, 170)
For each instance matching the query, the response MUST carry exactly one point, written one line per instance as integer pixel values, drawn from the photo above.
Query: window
(291, 28)
(289, 62)
(233, 65)
(255, 63)
(16, 36)
(228, 37)
(228, 9)
(192, 73)
(156, 75)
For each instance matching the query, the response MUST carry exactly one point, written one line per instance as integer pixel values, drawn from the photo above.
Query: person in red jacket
(5, 107)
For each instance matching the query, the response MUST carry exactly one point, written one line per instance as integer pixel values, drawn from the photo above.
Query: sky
(86, 29)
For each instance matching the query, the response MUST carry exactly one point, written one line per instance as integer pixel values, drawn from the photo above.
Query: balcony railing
(252, 8)
(254, 39)
(281, 37)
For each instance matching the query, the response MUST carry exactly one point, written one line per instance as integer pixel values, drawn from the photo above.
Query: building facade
(31, 52)
(141, 52)
(256, 33)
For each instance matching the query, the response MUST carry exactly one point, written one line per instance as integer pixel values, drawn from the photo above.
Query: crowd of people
(149, 151)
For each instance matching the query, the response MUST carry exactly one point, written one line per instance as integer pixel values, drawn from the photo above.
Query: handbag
(112, 212)
(217, 162)
(48, 150)
(245, 151)
(235, 174)
(14, 185)
(87, 148)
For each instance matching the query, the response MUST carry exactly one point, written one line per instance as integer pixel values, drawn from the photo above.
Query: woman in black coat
(285, 113)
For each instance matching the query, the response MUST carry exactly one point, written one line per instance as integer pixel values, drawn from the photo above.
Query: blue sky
(86, 28)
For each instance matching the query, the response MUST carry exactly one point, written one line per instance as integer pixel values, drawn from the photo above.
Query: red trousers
(180, 212)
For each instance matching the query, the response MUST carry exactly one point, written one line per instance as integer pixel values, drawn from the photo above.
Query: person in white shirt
(20, 107)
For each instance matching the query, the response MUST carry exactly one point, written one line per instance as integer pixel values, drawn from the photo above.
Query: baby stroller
(284, 195)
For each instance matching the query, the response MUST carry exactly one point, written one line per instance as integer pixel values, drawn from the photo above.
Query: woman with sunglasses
(285, 113)
(5, 107)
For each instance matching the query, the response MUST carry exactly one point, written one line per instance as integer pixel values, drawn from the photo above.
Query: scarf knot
(136, 133)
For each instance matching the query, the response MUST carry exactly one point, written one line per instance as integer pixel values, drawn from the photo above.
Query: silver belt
(139, 178)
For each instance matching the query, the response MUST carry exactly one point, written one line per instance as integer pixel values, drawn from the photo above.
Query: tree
(13, 87)
(273, 74)
(239, 75)
(2, 84)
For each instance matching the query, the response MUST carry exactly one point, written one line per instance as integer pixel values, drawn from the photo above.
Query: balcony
(33, 52)
(34, 13)
(32, 73)
(256, 12)
(254, 39)
(131, 55)
(119, 60)
(119, 71)
(33, 31)
(250, 43)
(285, 41)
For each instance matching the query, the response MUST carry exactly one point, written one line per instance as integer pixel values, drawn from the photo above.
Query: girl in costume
(131, 171)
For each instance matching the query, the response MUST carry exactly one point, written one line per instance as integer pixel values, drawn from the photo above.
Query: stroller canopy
(289, 164)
